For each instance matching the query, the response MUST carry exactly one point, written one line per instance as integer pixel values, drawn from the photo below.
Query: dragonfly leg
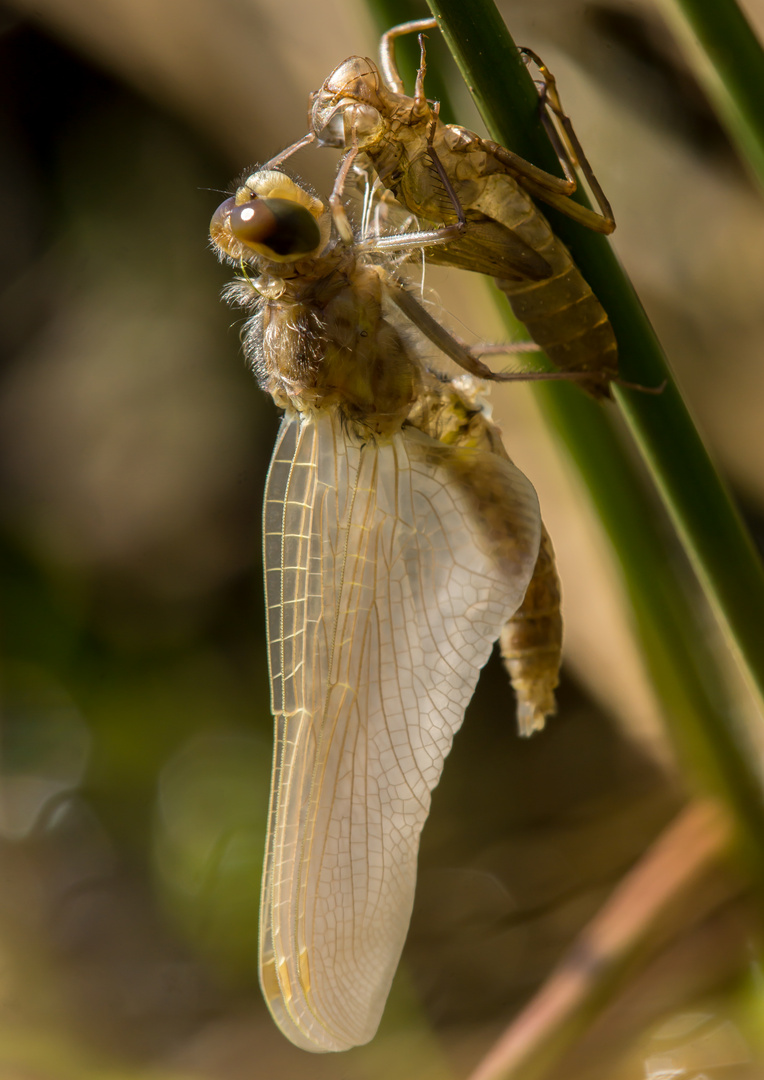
(458, 352)
(442, 173)
(276, 161)
(387, 63)
(424, 109)
(419, 94)
(570, 154)
(339, 215)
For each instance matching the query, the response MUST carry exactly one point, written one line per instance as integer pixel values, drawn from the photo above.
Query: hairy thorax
(326, 342)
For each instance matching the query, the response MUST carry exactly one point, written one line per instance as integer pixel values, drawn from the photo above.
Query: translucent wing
(385, 591)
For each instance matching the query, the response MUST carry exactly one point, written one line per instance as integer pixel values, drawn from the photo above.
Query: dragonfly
(479, 196)
(400, 543)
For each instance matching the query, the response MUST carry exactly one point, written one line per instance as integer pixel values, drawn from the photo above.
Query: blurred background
(136, 731)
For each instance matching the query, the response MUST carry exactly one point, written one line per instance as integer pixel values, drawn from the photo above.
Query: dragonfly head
(351, 107)
(272, 217)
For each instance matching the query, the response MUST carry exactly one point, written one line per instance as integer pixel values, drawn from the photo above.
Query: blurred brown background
(136, 739)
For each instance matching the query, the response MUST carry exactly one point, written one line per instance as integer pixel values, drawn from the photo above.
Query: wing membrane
(384, 595)
(491, 247)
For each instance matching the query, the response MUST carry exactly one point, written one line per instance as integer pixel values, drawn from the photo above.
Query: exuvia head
(350, 107)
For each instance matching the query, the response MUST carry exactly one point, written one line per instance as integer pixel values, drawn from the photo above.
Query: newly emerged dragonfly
(480, 196)
(400, 543)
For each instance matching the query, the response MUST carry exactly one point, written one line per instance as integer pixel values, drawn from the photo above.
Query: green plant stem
(729, 60)
(697, 501)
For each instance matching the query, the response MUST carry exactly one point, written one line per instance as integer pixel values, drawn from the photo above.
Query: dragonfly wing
(490, 247)
(385, 592)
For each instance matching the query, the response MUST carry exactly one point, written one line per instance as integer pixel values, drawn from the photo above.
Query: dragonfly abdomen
(531, 643)
(566, 319)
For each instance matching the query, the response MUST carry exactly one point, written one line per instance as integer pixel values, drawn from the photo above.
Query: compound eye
(278, 229)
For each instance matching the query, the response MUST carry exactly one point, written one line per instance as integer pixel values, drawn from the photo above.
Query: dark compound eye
(279, 227)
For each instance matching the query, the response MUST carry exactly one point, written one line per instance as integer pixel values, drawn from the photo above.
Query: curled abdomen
(531, 643)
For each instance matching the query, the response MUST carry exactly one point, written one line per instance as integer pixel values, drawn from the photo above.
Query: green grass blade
(729, 60)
